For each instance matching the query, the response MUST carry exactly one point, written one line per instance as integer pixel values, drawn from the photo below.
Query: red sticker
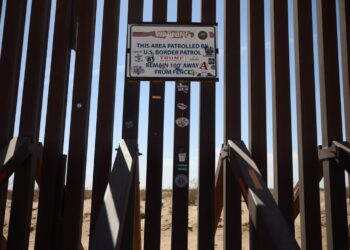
(204, 66)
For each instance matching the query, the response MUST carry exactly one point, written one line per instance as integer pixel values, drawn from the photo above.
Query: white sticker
(182, 122)
(182, 157)
(182, 88)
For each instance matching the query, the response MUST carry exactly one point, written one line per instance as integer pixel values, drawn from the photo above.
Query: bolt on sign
(172, 52)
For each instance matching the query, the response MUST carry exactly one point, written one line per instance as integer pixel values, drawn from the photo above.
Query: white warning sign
(172, 52)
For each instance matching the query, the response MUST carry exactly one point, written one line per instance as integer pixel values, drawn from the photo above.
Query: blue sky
(170, 93)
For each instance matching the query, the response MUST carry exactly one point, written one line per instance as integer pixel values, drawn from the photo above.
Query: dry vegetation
(166, 220)
(167, 194)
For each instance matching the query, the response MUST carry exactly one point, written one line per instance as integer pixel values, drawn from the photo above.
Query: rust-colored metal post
(155, 149)
(179, 234)
(11, 54)
(282, 128)
(55, 125)
(206, 206)
(232, 121)
(307, 131)
(334, 179)
(257, 95)
(23, 186)
(75, 184)
(105, 110)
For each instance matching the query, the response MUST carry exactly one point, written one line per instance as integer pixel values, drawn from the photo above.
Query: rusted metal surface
(137, 214)
(154, 174)
(334, 179)
(298, 190)
(23, 186)
(55, 126)
(59, 204)
(11, 157)
(60, 227)
(219, 192)
(232, 121)
(77, 153)
(130, 124)
(263, 210)
(344, 17)
(282, 127)
(127, 234)
(35, 70)
(257, 96)
(306, 126)
(338, 151)
(206, 189)
(109, 231)
(11, 54)
(21, 206)
(181, 166)
(256, 80)
(105, 110)
(20, 154)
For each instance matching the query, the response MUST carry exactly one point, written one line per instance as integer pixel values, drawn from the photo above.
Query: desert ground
(166, 223)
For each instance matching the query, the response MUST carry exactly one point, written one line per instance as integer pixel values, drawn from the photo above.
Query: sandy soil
(166, 225)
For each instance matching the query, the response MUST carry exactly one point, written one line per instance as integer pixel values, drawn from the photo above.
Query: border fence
(241, 171)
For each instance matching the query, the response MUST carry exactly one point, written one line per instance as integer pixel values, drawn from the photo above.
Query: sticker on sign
(172, 52)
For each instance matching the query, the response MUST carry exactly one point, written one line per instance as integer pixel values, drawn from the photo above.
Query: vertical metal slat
(154, 166)
(132, 88)
(257, 96)
(23, 187)
(282, 129)
(105, 111)
(232, 122)
(74, 196)
(11, 54)
(155, 148)
(344, 13)
(334, 180)
(206, 209)
(55, 125)
(306, 126)
(179, 233)
(130, 124)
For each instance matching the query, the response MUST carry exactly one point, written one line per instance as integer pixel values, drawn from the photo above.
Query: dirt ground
(166, 224)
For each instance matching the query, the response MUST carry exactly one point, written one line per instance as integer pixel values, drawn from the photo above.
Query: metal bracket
(327, 153)
(224, 153)
(339, 152)
(334, 151)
